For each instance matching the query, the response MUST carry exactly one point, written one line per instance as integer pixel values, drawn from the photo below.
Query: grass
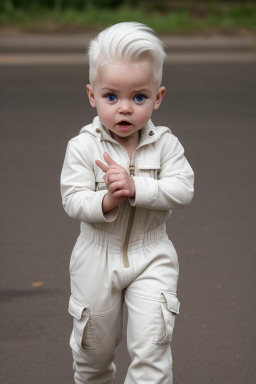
(205, 18)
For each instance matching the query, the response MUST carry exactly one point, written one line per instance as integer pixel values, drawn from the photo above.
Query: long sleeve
(77, 182)
(174, 188)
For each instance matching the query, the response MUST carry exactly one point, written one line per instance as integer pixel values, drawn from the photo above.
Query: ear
(90, 94)
(159, 97)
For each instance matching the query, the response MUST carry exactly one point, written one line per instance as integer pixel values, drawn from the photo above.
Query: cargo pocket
(83, 325)
(169, 308)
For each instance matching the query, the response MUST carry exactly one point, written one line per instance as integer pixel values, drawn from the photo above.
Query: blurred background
(210, 78)
(165, 16)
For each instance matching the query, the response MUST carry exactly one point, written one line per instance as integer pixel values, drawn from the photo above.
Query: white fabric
(99, 280)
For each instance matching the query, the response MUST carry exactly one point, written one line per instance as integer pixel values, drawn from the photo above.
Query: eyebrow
(108, 89)
(143, 90)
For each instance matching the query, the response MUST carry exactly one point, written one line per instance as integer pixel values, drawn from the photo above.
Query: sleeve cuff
(146, 190)
(96, 209)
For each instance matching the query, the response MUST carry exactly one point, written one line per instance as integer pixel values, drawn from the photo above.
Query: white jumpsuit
(124, 254)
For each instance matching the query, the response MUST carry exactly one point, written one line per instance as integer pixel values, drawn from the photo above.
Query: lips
(124, 126)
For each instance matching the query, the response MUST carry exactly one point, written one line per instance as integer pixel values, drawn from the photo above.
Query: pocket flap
(173, 303)
(149, 165)
(76, 309)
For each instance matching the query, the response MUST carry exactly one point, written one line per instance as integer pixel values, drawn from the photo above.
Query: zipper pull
(131, 167)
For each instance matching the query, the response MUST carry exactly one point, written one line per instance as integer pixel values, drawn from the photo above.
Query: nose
(125, 107)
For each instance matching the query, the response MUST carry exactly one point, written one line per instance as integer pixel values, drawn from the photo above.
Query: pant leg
(93, 342)
(152, 307)
(96, 304)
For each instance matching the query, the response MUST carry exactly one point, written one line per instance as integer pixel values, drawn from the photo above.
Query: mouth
(124, 126)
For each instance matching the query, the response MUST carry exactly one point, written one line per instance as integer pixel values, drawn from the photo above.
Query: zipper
(131, 216)
(129, 227)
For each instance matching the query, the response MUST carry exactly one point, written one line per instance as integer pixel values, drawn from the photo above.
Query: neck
(130, 143)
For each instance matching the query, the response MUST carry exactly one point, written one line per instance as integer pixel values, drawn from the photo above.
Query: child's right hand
(115, 196)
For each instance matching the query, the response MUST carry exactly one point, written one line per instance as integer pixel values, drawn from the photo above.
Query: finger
(115, 186)
(109, 159)
(121, 193)
(112, 172)
(101, 165)
(112, 177)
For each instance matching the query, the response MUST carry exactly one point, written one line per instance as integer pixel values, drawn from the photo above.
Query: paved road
(212, 110)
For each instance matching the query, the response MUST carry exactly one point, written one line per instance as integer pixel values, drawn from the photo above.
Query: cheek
(144, 113)
(105, 113)
(102, 109)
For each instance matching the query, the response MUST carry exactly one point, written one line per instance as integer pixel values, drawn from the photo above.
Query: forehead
(128, 74)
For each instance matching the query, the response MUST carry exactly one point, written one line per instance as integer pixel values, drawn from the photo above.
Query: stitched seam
(142, 297)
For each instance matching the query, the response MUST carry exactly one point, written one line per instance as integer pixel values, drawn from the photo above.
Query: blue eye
(139, 98)
(111, 97)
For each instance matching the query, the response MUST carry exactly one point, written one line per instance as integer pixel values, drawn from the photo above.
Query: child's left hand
(116, 178)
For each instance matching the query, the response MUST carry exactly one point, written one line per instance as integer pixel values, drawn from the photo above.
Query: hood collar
(149, 133)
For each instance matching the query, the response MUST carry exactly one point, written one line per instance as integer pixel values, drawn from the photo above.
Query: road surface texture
(210, 106)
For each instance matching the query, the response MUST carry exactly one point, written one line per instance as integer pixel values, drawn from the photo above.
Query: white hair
(129, 41)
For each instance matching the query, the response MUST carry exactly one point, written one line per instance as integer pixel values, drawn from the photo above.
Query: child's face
(125, 94)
